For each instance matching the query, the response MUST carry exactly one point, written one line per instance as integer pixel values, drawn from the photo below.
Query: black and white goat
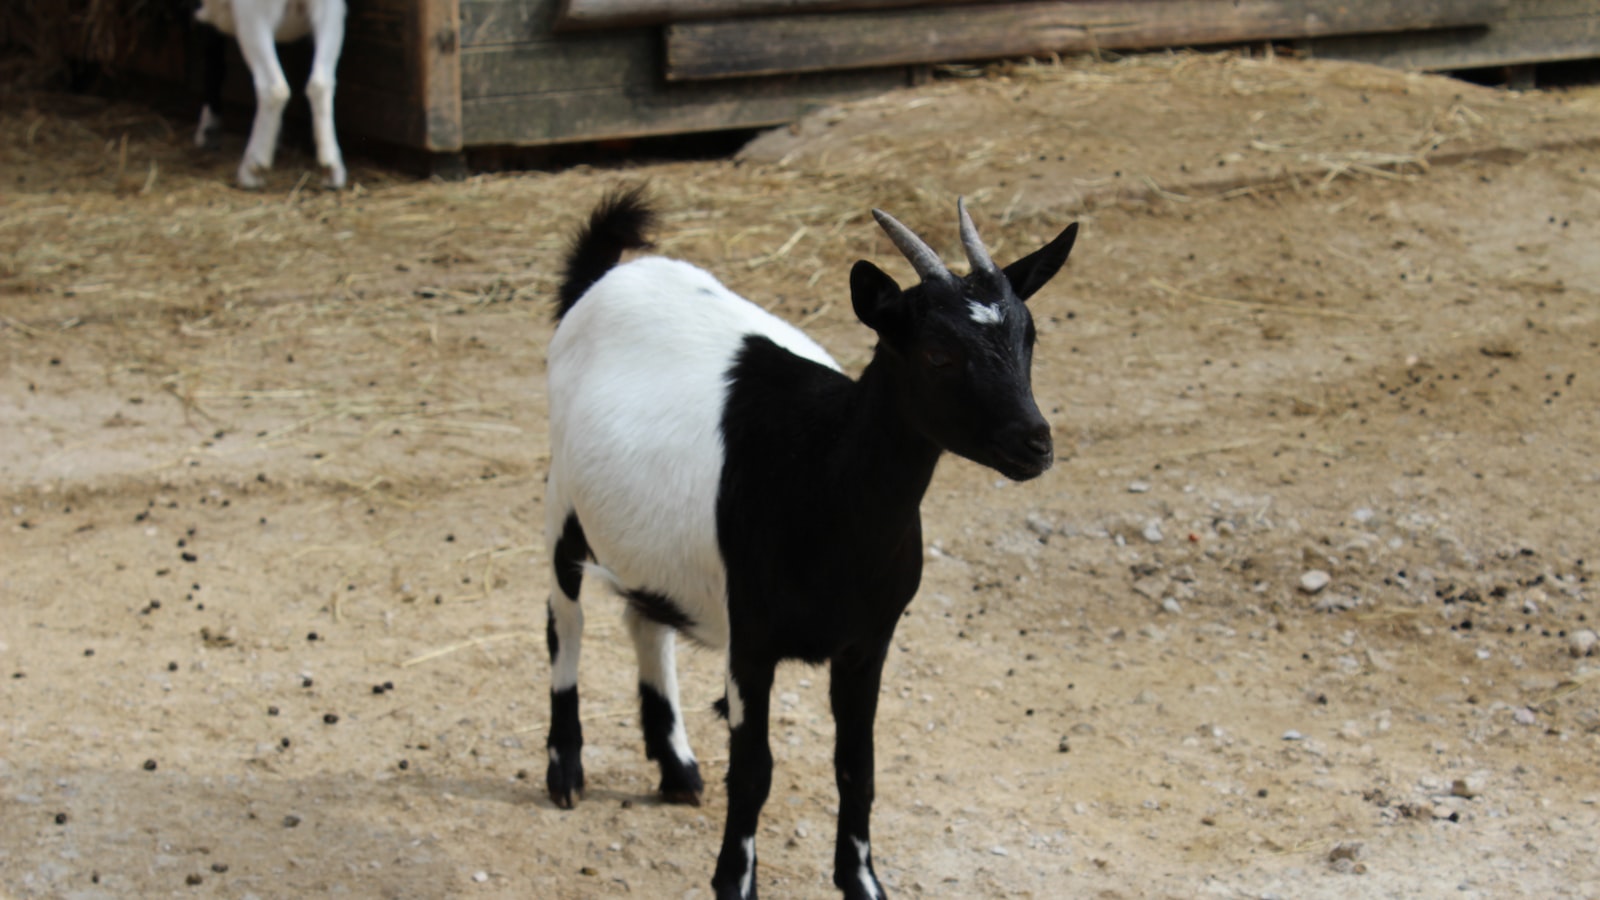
(259, 25)
(730, 483)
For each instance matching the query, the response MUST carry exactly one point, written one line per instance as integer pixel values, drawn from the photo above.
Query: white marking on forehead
(985, 315)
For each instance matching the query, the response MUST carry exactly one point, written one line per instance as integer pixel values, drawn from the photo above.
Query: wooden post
(439, 73)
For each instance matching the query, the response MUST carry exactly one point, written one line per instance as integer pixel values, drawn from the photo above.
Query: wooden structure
(446, 75)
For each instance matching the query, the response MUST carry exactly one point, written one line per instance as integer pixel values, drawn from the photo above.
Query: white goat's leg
(272, 93)
(660, 713)
(327, 30)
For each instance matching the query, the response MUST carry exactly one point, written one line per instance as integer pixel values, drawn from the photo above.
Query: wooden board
(739, 48)
(639, 111)
(582, 14)
(1506, 43)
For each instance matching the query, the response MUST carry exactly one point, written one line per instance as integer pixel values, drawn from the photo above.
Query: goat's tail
(622, 221)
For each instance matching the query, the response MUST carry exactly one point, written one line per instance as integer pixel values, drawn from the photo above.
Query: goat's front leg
(853, 691)
(328, 32)
(272, 95)
(749, 774)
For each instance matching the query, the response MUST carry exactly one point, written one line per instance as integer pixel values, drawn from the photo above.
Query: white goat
(259, 25)
(730, 483)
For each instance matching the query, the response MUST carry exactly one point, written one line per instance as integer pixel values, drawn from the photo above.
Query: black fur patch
(572, 550)
(680, 779)
(659, 608)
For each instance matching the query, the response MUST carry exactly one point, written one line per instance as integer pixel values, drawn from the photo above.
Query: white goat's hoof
(333, 177)
(250, 177)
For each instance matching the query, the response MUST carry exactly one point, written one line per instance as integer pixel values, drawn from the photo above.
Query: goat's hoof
(333, 177)
(250, 178)
(681, 783)
(565, 784)
(681, 797)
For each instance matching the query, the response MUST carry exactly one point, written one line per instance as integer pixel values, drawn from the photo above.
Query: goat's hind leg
(328, 32)
(272, 95)
(564, 635)
(660, 714)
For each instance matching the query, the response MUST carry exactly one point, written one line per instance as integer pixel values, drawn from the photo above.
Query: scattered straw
(483, 641)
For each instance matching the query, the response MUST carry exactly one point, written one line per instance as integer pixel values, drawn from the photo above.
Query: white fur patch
(749, 879)
(985, 315)
(656, 647)
(569, 642)
(637, 384)
(863, 874)
(555, 757)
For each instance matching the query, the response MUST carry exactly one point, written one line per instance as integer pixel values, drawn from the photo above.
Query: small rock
(1329, 603)
(1039, 525)
(1170, 605)
(480, 877)
(1350, 850)
(1314, 581)
(291, 821)
(1524, 716)
(1146, 698)
(1292, 735)
(1583, 642)
(1152, 532)
(1139, 487)
(999, 851)
(1466, 788)
(1364, 515)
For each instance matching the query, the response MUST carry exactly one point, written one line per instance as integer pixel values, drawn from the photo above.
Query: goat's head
(961, 348)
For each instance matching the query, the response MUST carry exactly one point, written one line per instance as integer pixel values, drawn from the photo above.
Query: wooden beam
(602, 114)
(808, 43)
(584, 14)
(1509, 43)
(438, 49)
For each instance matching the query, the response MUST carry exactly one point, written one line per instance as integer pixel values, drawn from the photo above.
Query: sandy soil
(271, 585)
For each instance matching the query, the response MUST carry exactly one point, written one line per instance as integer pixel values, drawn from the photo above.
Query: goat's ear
(1032, 272)
(876, 297)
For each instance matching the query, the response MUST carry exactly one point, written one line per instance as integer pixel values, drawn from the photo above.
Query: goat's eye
(938, 357)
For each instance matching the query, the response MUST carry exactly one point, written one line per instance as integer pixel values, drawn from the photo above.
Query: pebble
(1314, 581)
(1583, 643)
(1139, 487)
(999, 851)
(1171, 606)
(1292, 735)
(1152, 532)
(1039, 525)
(480, 877)
(1334, 603)
(1524, 716)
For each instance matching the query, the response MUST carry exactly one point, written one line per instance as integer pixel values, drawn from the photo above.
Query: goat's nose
(1038, 440)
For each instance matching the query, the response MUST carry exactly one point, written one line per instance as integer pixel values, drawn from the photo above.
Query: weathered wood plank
(739, 48)
(585, 14)
(437, 43)
(488, 22)
(570, 116)
(1505, 43)
(574, 62)
(1549, 9)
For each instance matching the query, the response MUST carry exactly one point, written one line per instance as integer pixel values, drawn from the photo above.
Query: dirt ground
(271, 578)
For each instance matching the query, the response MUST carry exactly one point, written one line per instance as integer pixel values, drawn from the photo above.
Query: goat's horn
(977, 254)
(927, 263)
